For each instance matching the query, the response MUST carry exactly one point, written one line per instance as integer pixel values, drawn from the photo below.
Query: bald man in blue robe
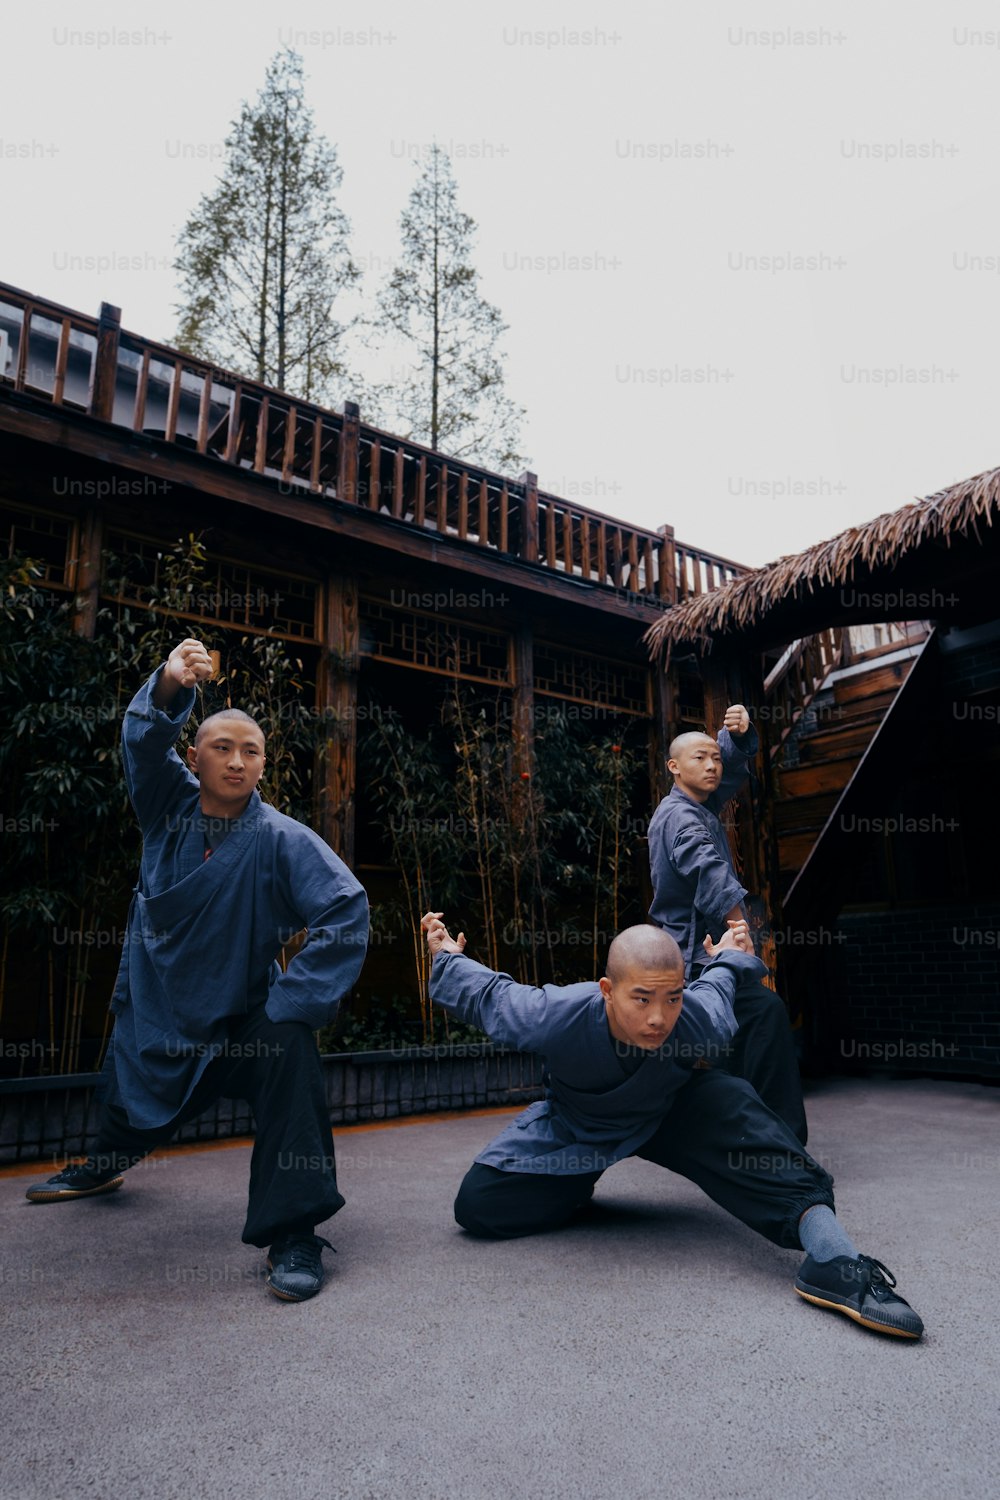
(697, 895)
(202, 1008)
(624, 1076)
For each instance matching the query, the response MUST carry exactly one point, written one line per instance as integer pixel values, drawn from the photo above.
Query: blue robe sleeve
(515, 1015)
(707, 1022)
(323, 896)
(716, 888)
(154, 772)
(737, 752)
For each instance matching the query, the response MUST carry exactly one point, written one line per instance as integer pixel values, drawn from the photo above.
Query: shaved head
(225, 713)
(682, 741)
(642, 949)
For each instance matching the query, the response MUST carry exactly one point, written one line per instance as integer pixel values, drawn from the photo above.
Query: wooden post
(104, 371)
(87, 573)
(338, 703)
(529, 517)
(347, 474)
(661, 705)
(523, 725)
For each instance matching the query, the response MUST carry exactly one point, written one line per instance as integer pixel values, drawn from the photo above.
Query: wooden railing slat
(463, 504)
(442, 498)
(288, 456)
(174, 402)
(483, 523)
(420, 505)
(375, 475)
(504, 503)
(260, 449)
(397, 483)
(62, 358)
(203, 409)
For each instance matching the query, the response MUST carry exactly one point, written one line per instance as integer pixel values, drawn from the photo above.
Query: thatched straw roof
(875, 548)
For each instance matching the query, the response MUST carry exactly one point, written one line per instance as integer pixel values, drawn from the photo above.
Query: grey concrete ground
(655, 1349)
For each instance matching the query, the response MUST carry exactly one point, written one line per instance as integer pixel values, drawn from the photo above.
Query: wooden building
(875, 815)
(389, 570)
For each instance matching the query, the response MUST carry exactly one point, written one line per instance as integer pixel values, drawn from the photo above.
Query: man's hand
(188, 663)
(737, 937)
(438, 937)
(737, 720)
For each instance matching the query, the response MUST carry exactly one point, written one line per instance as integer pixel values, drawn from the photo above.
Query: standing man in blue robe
(697, 894)
(622, 1079)
(202, 1008)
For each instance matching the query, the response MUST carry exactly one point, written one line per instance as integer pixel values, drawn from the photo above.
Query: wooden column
(104, 371)
(87, 572)
(529, 517)
(347, 473)
(338, 703)
(523, 726)
(661, 710)
(667, 582)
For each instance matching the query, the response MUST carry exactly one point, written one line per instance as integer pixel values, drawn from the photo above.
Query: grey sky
(640, 177)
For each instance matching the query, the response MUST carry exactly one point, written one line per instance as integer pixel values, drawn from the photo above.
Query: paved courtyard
(654, 1349)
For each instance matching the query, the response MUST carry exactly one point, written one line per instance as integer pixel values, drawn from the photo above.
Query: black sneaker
(295, 1266)
(76, 1180)
(863, 1289)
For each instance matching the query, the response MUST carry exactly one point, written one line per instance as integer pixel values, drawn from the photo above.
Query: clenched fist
(188, 663)
(737, 720)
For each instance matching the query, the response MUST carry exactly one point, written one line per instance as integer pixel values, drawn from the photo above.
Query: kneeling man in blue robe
(202, 1008)
(629, 1070)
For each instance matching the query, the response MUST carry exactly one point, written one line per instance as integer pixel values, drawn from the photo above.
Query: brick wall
(918, 991)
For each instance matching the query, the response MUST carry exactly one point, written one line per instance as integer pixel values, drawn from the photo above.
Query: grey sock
(823, 1236)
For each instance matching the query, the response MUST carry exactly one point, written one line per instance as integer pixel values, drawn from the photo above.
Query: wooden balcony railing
(92, 365)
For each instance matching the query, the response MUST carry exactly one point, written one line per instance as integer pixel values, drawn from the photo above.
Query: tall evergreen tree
(265, 255)
(453, 398)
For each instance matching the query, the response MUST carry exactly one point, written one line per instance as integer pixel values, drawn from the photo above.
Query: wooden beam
(260, 450)
(529, 517)
(442, 499)
(523, 726)
(375, 474)
(350, 442)
(398, 466)
(203, 408)
(86, 574)
(316, 464)
(463, 504)
(288, 455)
(337, 692)
(104, 371)
(62, 357)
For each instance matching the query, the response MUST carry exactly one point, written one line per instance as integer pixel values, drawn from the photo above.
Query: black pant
(276, 1068)
(717, 1132)
(763, 1052)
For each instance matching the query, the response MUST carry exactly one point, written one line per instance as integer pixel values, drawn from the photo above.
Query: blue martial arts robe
(597, 1110)
(694, 884)
(203, 934)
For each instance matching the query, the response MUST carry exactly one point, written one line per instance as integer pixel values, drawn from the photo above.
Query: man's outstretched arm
(515, 1015)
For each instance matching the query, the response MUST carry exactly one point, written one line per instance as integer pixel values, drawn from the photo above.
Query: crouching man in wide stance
(202, 1009)
(626, 1075)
